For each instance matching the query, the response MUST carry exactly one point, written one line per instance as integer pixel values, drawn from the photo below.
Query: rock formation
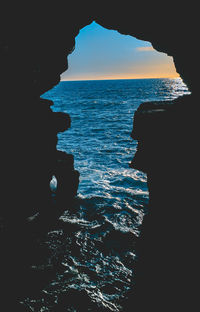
(35, 41)
(168, 248)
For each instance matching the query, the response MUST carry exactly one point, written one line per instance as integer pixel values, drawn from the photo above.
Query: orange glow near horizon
(102, 54)
(148, 70)
(117, 77)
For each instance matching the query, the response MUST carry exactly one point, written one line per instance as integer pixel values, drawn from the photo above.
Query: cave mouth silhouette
(38, 60)
(84, 45)
(73, 126)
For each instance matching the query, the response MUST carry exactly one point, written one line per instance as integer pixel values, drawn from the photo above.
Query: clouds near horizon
(145, 49)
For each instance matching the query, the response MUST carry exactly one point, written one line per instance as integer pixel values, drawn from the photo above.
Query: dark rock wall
(35, 41)
(168, 269)
(170, 28)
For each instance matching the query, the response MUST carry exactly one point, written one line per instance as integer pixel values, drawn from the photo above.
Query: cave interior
(34, 44)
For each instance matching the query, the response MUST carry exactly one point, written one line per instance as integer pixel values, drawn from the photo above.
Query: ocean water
(92, 254)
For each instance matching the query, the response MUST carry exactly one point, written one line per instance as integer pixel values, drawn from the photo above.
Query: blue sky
(105, 54)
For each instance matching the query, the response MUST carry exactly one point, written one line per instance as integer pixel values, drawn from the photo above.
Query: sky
(105, 54)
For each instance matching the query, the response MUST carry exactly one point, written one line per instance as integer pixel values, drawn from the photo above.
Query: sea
(93, 254)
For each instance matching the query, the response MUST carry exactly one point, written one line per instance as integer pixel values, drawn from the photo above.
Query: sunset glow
(105, 54)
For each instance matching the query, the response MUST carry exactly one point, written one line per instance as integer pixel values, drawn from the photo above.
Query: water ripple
(92, 252)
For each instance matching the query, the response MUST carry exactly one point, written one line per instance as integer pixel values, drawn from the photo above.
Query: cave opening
(92, 250)
(109, 76)
(112, 199)
(87, 258)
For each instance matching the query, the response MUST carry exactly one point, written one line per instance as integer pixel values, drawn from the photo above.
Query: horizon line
(97, 79)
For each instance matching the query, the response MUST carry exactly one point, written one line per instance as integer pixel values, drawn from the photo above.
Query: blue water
(94, 255)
